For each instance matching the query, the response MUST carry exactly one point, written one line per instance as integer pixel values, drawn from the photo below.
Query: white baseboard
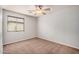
(66, 44)
(18, 41)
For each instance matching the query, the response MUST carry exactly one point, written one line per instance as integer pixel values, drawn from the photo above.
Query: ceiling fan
(39, 10)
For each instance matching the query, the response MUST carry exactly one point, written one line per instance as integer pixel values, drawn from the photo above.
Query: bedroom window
(15, 24)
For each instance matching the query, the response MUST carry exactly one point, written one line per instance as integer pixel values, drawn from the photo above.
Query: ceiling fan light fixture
(39, 10)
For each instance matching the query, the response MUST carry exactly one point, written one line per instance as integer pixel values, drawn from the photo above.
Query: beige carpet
(37, 46)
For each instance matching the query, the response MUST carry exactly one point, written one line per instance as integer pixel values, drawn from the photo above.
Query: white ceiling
(23, 8)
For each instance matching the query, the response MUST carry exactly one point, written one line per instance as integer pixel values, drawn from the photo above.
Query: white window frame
(17, 22)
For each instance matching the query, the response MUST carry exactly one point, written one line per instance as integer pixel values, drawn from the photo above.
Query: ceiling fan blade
(47, 9)
(30, 11)
(44, 13)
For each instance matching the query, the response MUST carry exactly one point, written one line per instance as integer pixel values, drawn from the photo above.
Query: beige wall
(30, 28)
(1, 31)
(61, 26)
